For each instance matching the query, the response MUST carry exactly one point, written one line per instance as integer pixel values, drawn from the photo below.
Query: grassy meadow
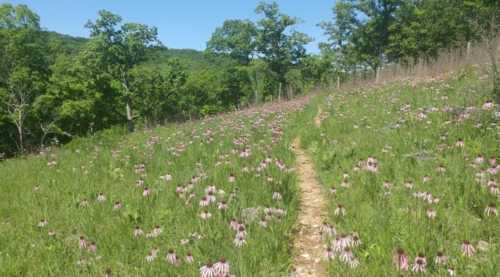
(409, 171)
(163, 202)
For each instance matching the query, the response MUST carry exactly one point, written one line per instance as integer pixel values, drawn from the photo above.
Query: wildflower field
(410, 175)
(217, 194)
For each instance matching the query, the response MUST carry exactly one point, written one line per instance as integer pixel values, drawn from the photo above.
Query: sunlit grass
(427, 137)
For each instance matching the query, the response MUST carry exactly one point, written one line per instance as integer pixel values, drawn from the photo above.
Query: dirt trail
(308, 246)
(317, 118)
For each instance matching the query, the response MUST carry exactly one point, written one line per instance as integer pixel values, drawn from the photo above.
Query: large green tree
(235, 38)
(280, 46)
(24, 68)
(118, 48)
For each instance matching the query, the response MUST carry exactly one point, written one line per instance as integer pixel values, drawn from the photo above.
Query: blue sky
(181, 23)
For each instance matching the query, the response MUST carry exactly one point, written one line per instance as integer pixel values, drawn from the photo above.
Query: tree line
(52, 90)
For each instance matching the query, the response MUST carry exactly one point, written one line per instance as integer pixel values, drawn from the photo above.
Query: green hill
(192, 60)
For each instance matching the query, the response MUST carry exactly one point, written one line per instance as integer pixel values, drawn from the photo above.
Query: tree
(23, 66)
(157, 92)
(235, 38)
(20, 16)
(280, 47)
(118, 49)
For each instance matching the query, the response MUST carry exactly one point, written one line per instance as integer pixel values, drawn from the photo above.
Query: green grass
(107, 164)
(373, 123)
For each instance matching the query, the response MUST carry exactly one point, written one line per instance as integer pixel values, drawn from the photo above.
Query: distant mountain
(192, 60)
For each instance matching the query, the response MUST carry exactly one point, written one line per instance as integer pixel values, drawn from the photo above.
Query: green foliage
(236, 38)
(374, 32)
(19, 16)
(280, 47)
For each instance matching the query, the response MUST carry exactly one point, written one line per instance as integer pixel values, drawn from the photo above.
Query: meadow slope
(410, 176)
(170, 201)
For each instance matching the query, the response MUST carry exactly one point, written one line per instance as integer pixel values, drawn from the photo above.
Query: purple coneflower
(492, 160)
(231, 178)
(353, 263)
(92, 247)
(222, 267)
(400, 260)
(329, 254)
(205, 215)
(467, 248)
(420, 264)
(156, 231)
(387, 185)
(189, 258)
(493, 187)
(204, 201)
(488, 105)
(166, 177)
(479, 159)
(82, 243)
(172, 257)
(263, 222)
(150, 257)
(346, 255)
(327, 230)
(408, 184)
(84, 203)
(241, 231)
(234, 224)
(431, 213)
(441, 258)
(451, 271)
(211, 197)
(146, 192)
(118, 205)
(207, 271)
(239, 241)
(139, 183)
(355, 240)
(101, 197)
(138, 231)
(42, 223)
(340, 210)
(222, 205)
(333, 190)
(491, 210)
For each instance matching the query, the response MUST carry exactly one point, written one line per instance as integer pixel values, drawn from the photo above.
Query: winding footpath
(308, 246)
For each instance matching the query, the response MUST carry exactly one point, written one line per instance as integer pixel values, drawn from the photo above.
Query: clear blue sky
(181, 23)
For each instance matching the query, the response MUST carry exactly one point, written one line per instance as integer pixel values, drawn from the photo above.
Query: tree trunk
(279, 91)
(130, 121)
(128, 106)
(21, 137)
(338, 81)
(468, 51)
